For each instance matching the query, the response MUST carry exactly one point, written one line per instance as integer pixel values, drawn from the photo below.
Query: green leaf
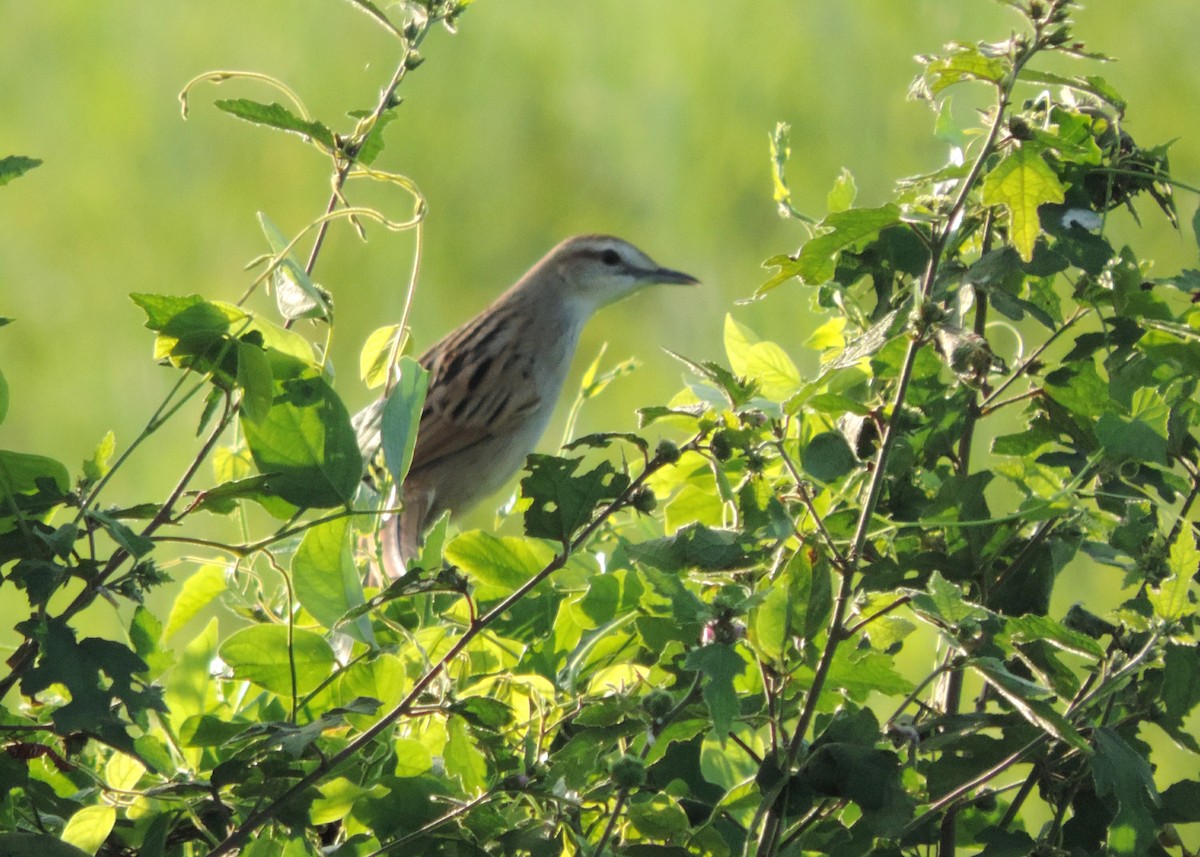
(462, 757)
(373, 145)
(412, 757)
(1124, 774)
(1079, 388)
(296, 295)
(862, 673)
(841, 196)
(338, 797)
(961, 63)
(3, 397)
(99, 675)
(763, 362)
(812, 587)
(381, 678)
(15, 166)
(376, 352)
(31, 486)
(773, 623)
(944, 603)
(277, 116)
(720, 664)
(261, 654)
(496, 565)
(828, 457)
(306, 446)
(1031, 627)
(817, 260)
(401, 418)
(1180, 803)
(737, 391)
(255, 380)
(1130, 440)
(599, 604)
(700, 547)
(483, 711)
(1006, 843)
(1021, 182)
(868, 776)
(89, 827)
(189, 684)
(205, 730)
(1181, 683)
(658, 817)
(1093, 84)
(96, 467)
(145, 633)
(326, 581)
(194, 333)
(561, 501)
(946, 128)
(1170, 598)
(133, 543)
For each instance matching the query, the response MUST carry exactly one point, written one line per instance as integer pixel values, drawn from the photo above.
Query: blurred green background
(540, 119)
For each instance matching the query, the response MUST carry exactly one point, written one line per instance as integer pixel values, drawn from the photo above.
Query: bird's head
(595, 270)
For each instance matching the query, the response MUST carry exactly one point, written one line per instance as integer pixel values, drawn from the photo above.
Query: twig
(806, 498)
(611, 825)
(1021, 369)
(27, 651)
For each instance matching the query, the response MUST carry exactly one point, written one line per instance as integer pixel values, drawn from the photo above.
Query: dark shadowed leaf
(700, 547)
(720, 664)
(1124, 774)
(561, 501)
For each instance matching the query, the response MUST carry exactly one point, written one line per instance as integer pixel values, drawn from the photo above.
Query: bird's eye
(610, 257)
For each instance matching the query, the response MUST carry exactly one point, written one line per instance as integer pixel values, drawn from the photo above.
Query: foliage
(701, 645)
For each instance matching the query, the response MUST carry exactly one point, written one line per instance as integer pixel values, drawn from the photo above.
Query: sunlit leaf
(326, 580)
(1021, 182)
(267, 655)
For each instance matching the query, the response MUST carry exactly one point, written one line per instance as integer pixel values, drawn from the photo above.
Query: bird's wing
(480, 387)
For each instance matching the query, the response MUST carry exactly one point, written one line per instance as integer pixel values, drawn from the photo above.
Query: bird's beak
(668, 277)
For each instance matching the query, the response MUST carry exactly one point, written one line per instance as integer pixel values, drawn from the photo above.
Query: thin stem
(806, 498)
(1028, 394)
(1181, 517)
(430, 826)
(157, 419)
(881, 612)
(611, 825)
(348, 155)
(916, 691)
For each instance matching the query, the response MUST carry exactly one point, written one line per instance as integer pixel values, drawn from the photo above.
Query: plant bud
(628, 772)
(658, 703)
(645, 501)
(667, 452)
(967, 353)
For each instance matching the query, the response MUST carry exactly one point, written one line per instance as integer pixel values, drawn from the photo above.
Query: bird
(494, 381)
